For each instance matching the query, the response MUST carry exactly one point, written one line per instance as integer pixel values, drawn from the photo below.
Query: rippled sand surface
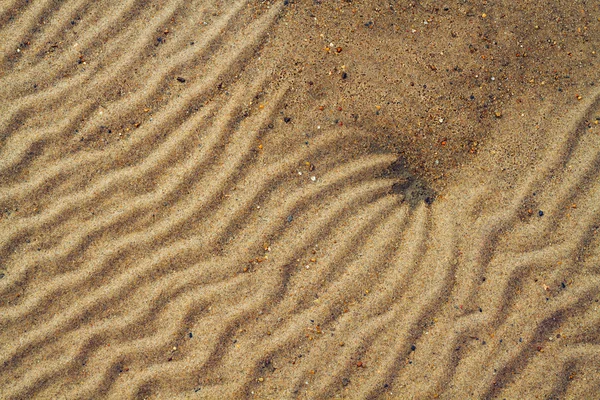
(299, 199)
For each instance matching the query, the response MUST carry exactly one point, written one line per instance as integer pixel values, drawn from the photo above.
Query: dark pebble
(345, 381)
(541, 213)
(413, 347)
(180, 79)
(290, 218)
(287, 120)
(191, 335)
(344, 75)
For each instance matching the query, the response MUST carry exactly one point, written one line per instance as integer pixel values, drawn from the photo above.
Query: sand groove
(174, 225)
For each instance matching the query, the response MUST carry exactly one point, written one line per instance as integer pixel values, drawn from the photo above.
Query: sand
(299, 199)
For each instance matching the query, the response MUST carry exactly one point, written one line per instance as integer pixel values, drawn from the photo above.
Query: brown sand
(299, 199)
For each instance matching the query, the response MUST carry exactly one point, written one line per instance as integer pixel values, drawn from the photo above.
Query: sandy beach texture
(299, 199)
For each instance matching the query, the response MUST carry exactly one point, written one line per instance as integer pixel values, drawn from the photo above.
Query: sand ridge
(299, 199)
